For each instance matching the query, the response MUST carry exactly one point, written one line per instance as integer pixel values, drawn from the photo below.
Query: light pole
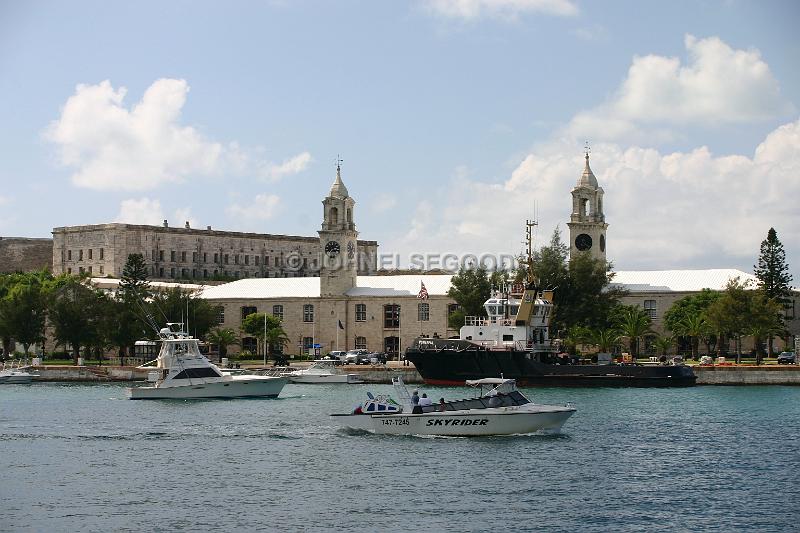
(265, 339)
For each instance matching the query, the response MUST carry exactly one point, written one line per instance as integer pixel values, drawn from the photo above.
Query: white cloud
(184, 215)
(3, 200)
(673, 210)
(503, 9)
(382, 203)
(717, 85)
(290, 166)
(140, 211)
(263, 207)
(112, 147)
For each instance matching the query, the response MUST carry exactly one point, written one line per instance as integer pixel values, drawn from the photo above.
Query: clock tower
(587, 224)
(338, 241)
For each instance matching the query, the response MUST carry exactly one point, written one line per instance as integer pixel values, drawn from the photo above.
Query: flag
(341, 326)
(423, 292)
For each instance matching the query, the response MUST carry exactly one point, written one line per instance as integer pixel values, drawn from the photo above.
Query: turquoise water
(83, 458)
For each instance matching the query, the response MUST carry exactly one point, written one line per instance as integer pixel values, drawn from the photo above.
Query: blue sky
(454, 119)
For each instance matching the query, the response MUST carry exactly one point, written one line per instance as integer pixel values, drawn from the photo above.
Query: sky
(456, 120)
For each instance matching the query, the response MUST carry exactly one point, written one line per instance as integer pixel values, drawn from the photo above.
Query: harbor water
(79, 457)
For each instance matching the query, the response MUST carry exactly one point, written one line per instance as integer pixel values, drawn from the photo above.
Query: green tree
(470, 288)
(76, 313)
(23, 307)
(574, 336)
(222, 337)
(585, 297)
(634, 323)
(773, 273)
(764, 320)
(694, 327)
(663, 344)
(729, 314)
(267, 329)
(605, 339)
(128, 321)
(177, 305)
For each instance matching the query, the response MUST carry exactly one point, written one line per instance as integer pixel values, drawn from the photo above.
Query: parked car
(337, 355)
(787, 358)
(357, 357)
(378, 358)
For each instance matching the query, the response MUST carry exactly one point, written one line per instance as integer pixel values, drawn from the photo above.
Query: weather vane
(586, 149)
(339, 162)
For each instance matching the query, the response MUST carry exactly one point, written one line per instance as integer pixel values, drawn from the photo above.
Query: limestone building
(22, 254)
(187, 253)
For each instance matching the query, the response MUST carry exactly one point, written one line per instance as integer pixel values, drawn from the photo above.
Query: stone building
(188, 253)
(21, 254)
(587, 223)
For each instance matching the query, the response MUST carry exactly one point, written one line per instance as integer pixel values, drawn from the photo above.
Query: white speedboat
(322, 371)
(503, 410)
(10, 374)
(182, 372)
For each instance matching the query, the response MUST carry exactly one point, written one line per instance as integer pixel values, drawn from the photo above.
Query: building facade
(187, 253)
(22, 254)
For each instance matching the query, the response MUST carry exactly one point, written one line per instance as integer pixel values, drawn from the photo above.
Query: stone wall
(23, 254)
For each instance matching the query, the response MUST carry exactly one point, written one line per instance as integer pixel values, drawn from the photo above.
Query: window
(361, 312)
(80, 255)
(205, 257)
(226, 259)
(308, 343)
(249, 344)
(101, 253)
(194, 257)
(277, 311)
(69, 271)
(172, 256)
(205, 273)
(788, 309)
(216, 258)
(183, 257)
(220, 315)
(172, 272)
(90, 269)
(391, 316)
(69, 255)
(248, 310)
(423, 312)
(308, 313)
(152, 254)
(266, 260)
(236, 259)
(90, 253)
(247, 260)
(361, 343)
(160, 272)
(257, 258)
(650, 308)
(80, 270)
(161, 255)
(101, 269)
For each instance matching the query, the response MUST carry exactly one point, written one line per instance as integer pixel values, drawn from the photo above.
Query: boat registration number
(399, 421)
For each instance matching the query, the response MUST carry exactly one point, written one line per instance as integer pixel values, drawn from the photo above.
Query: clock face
(351, 249)
(583, 242)
(602, 243)
(332, 248)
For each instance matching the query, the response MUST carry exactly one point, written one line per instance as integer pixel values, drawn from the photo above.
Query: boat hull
(453, 366)
(461, 424)
(323, 379)
(12, 379)
(238, 387)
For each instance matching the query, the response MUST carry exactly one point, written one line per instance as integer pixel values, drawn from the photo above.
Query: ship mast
(529, 225)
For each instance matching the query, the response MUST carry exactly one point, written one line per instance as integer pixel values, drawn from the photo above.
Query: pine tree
(772, 270)
(773, 275)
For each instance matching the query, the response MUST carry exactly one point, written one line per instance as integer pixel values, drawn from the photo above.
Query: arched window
(334, 215)
(349, 215)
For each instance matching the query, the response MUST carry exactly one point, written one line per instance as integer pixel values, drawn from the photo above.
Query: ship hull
(453, 365)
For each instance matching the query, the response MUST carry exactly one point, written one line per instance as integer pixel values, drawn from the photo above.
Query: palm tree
(663, 344)
(694, 327)
(222, 337)
(634, 323)
(575, 336)
(604, 339)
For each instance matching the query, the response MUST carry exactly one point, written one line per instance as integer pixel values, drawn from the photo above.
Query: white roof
(679, 280)
(266, 288)
(113, 284)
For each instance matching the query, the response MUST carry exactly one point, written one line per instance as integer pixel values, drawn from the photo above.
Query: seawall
(747, 375)
(88, 373)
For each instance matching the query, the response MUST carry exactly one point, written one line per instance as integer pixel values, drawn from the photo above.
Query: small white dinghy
(11, 374)
(322, 371)
(502, 410)
(182, 372)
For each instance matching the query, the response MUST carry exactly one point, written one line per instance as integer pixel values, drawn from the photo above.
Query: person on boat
(442, 406)
(425, 401)
(415, 408)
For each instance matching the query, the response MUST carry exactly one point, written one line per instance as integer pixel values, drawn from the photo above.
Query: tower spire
(338, 189)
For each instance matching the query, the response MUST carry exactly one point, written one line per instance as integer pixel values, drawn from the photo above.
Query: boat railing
(488, 321)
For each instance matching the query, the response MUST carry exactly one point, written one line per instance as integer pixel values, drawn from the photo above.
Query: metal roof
(679, 280)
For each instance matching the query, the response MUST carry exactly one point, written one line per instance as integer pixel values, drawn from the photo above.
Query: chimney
(165, 223)
(187, 225)
(208, 228)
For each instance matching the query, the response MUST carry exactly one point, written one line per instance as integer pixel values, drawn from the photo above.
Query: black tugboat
(512, 341)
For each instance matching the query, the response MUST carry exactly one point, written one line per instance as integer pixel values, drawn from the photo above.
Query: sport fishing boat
(322, 371)
(11, 374)
(513, 341)
(500, 410)
(182, 372)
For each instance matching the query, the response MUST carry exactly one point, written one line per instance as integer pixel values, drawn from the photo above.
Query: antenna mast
(529, 225)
